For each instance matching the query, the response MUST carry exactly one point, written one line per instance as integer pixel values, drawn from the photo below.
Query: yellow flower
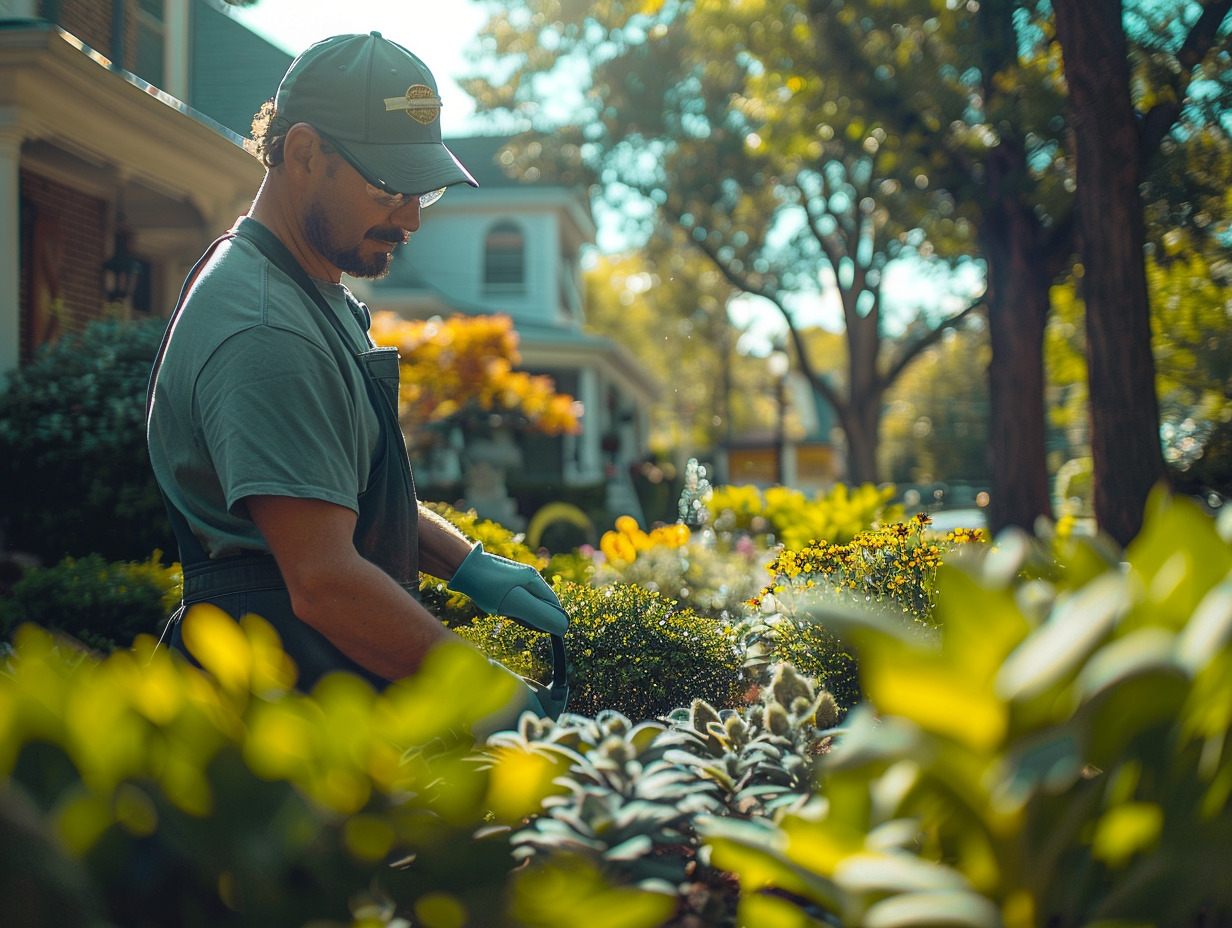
(617, 547)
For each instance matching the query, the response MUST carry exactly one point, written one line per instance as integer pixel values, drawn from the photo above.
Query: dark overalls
(387, 530)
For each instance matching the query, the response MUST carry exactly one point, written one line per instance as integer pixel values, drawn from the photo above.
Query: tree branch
(914, 350)
(1160, 119)
(743, 284)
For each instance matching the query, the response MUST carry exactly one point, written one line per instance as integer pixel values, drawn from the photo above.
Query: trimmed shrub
(75, 475)
(630, 650)
(103, 605)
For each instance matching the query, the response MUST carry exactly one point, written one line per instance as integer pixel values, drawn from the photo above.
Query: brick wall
(90, 21)
(64, 238)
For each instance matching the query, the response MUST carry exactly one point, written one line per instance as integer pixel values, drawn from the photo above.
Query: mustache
(388, 234)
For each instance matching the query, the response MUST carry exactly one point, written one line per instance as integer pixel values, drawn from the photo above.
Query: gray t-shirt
(253, 398)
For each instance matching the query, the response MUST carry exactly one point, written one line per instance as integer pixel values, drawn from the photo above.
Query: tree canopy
(807, 146)
(709, 113)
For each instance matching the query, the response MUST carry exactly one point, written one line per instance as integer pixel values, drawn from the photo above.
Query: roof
(481, 155)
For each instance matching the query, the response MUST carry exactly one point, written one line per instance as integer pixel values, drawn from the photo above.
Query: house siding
(449, 256)
(233, 71)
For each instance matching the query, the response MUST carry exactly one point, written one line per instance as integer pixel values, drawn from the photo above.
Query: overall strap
(191, 551)
(175, 317)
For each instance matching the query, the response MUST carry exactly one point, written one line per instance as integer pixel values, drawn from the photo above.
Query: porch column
(589, 456)
(10, 240)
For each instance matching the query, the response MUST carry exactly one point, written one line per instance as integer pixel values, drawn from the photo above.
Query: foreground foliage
(1059, 757)
(153, 794)
(1053, 751)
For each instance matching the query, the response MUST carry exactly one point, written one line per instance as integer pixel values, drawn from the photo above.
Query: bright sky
(435, 30)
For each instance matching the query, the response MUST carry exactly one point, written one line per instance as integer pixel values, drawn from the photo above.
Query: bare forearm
(441, 546)
(371, 619)
(350, 600)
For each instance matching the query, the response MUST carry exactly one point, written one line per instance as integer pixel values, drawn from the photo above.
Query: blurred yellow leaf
(572, 894)
(1126, 829)
(220, 645)
(519, 781)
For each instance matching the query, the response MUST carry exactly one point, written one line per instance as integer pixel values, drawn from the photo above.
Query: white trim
(18, 9)
(10, 241)
(176, 49)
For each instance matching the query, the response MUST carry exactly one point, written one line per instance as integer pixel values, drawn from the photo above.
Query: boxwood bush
(104, 605)
(630, 650)
(75, 476)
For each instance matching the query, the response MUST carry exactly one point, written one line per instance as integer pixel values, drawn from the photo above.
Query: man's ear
(302, 155)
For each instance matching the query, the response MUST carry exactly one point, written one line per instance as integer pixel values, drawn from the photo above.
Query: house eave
(56, 90)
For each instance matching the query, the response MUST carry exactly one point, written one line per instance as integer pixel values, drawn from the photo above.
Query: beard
(349, 259)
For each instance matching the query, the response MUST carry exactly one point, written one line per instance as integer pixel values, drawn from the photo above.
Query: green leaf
(1179, 557)
(633, 848)
(870, 740)
(1050, 761)
(1054, 652)
(957, 909)
(896, 872)
(1140, 653)
(1209, 629)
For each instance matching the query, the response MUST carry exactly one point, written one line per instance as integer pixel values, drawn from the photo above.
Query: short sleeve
(279, 418)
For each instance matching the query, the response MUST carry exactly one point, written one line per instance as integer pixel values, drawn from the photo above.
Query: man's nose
(407, 215)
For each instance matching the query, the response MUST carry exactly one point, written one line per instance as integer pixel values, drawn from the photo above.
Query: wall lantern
(121, 271)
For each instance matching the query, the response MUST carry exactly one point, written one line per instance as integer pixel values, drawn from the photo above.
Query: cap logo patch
(419, 102)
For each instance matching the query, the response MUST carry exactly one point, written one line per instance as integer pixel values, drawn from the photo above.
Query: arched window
(504, 259)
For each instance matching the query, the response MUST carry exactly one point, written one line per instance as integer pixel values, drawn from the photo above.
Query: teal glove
(500, 586)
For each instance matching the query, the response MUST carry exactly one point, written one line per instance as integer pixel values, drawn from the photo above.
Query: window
(151, 29)
(504, 259)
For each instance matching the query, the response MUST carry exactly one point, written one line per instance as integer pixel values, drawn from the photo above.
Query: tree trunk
(1125, 445)
(861, 427)
(863, 416)
(1018, 300)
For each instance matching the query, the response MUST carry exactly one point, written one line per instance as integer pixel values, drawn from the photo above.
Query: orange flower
(468, 361)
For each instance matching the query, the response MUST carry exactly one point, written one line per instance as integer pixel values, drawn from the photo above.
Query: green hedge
(104, 605)
(75, 475)
(630, 650)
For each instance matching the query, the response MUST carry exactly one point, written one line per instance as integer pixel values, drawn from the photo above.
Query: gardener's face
(351, 229)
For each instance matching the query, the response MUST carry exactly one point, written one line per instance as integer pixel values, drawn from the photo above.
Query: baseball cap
(378, 102)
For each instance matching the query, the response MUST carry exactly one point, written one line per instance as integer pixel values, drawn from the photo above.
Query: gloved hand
(500, 586)
(524, 699)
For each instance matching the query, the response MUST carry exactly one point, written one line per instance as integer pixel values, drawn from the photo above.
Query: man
(272, 421)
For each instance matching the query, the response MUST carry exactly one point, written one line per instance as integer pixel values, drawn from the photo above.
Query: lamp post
(779, 365)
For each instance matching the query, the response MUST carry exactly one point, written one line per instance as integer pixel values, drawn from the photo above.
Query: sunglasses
(375, 188)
